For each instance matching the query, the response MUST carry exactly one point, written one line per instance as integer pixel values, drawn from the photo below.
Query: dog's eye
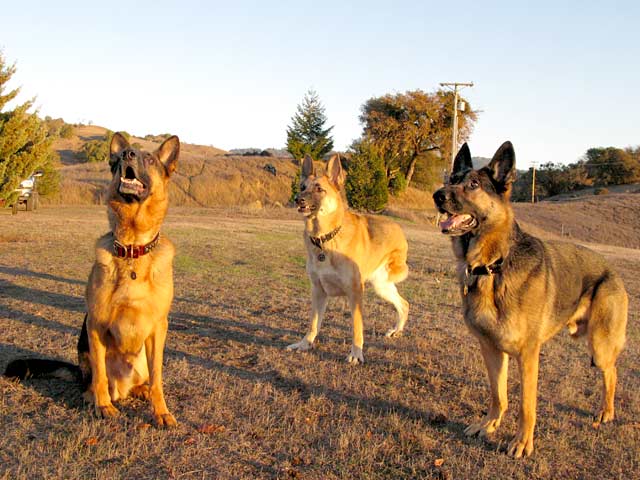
(473, 184)
(303, 187)
(319, 189)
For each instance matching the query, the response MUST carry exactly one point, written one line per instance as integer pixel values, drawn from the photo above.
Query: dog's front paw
(484, 427)
(141, 391)
(302, 346)
(165, 420)
(355, 356)
(393, 333)
(521, 445)
(603, 416)
(106, 411)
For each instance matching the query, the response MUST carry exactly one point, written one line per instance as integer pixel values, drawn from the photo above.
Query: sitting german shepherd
(130, 289)
(518, 291)
(345, 250)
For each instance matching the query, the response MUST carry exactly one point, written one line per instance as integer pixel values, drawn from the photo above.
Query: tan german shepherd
(518, 291)
(345, 250)
(130, 288)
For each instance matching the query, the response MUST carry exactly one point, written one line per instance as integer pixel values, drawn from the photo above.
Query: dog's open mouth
(129, 184)
(306, 209)
(457, 224)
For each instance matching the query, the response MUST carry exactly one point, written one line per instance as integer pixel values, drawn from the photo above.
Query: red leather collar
(133, 251)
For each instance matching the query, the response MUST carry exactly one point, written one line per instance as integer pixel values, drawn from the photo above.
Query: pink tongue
(452, 221)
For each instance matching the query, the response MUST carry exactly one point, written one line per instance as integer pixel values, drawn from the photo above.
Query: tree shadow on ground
(42, 297)
(47, 276)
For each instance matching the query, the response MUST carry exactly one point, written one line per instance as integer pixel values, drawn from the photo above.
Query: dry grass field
(249, 409)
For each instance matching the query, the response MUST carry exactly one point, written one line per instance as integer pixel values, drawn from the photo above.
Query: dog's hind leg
(606, 336)
(397, 269)
(387, 290)
(319, 300)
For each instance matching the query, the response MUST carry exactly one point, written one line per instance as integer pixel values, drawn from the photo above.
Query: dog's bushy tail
(22, 368)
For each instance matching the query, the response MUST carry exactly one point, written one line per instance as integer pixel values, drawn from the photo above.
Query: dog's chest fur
(484, 315)
(133, 306)
(334, 280)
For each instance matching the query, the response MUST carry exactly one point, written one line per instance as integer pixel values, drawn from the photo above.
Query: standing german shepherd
(130, 288)
(518, 291)
(345, 250)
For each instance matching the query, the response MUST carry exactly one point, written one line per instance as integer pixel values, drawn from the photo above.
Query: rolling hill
(206, 176)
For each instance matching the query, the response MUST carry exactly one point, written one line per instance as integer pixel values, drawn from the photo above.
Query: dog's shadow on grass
(570, 409)
(374, 405)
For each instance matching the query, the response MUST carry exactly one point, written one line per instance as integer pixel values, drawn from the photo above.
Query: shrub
(96, 151)
(66, 131)
(366, 185)
(398, 184)
(295, 187)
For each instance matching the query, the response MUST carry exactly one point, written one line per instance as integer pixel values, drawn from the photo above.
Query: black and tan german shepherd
(130, 289)
(518, 291)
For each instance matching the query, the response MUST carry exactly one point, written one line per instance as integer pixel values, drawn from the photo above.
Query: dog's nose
(130, 155)
(439, 197)
(299, 200)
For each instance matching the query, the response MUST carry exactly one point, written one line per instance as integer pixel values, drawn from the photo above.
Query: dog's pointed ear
(463, 160)
(116, 147)
(503, 165)
(307, 166)
(168, 153)
(335, 171)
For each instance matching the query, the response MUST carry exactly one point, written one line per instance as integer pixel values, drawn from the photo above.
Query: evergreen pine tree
(25, 145)
(306, 134)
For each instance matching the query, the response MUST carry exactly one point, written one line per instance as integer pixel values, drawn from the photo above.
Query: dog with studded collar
(129, 292)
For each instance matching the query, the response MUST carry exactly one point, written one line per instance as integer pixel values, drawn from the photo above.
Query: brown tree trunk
(411, 169)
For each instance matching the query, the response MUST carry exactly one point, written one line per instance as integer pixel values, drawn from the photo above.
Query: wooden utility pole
(533, 184)
(454, 140)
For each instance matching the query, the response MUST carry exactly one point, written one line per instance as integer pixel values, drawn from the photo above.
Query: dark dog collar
(495, 267)
(133, 251)
(318, 241)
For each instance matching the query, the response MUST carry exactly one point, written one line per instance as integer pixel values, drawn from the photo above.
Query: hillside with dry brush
(207, 176)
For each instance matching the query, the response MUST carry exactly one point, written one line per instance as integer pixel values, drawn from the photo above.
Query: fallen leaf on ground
(210, 428)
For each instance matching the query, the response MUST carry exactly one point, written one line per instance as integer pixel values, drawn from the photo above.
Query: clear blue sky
(553, 77)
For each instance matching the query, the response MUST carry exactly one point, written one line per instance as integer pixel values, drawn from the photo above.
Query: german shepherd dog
(345, 250)
(130, 289)
(519, 291)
